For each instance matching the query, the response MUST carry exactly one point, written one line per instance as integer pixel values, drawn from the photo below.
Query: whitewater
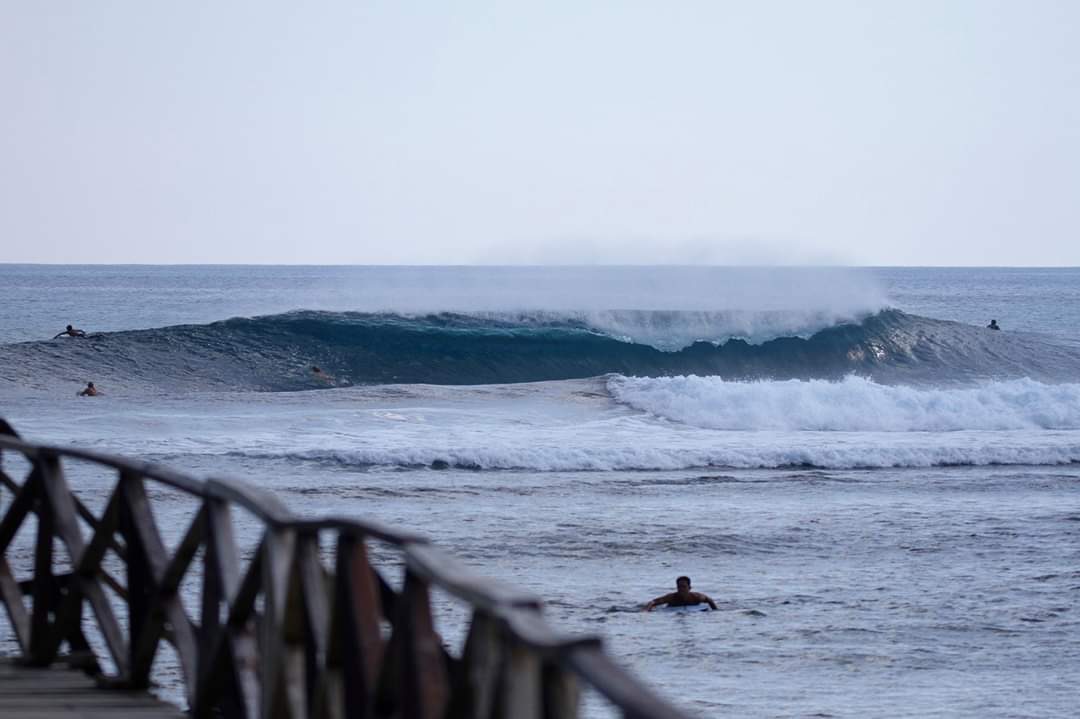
(880, 492)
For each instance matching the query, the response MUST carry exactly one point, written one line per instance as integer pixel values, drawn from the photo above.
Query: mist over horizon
(614, 133)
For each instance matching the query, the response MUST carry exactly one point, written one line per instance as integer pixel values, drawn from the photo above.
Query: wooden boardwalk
(304, 624)
(56, 691)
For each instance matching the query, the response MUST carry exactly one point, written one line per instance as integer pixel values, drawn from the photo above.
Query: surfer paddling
(681, 597)
(993, 325)
(90, 391)
(71, 332)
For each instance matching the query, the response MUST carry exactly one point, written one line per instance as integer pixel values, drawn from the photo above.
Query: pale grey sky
(907, 132)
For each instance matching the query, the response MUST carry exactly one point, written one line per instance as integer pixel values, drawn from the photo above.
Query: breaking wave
(854, 404)
(276, 352)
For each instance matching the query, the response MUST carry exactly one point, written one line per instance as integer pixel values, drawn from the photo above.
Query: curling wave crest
(853, 404)
(276, 353)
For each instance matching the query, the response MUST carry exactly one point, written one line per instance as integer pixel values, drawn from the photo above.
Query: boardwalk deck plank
(33, 693)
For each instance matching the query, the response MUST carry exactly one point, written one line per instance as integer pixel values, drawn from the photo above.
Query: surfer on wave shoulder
(681, 597)
(71, 332)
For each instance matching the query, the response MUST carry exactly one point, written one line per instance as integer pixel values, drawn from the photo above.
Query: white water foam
(852, 405)
(660, 453)
(577, 426)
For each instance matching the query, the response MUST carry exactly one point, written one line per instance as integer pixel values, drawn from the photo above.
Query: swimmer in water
(90, 391)
(681, 597)
(993, 325)
(319, 374)
(71, 332)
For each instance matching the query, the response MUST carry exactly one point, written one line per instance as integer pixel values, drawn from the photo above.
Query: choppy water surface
(881, 494)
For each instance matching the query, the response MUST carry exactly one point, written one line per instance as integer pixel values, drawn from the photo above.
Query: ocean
(881, 494)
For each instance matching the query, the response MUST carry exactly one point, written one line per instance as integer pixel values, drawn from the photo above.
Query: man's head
(69, 328)
(682, 585)
(90, 385)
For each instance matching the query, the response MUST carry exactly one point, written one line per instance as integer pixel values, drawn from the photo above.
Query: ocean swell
(277, 352)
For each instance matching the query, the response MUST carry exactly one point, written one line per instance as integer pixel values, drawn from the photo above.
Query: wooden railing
(307, 627)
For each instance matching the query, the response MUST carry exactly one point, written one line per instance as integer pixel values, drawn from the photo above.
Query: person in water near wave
(71, 332)
(993, 325)
(319, 374)
(681, 597)
(90, 391)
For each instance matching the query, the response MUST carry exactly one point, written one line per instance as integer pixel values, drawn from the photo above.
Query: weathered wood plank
(220, 683)
(415, 680)
(562, 693)
(482, 667)
(69, 614)
(59, 497)
(521, 694)
(18, 509)
(169, 608)
(60, 693)
(279, 547)
(44, 591)
(145, 564)
(356, 646)
(285, 638)
(313, 591)
(62, 503)
(11, 596)
(618, 685)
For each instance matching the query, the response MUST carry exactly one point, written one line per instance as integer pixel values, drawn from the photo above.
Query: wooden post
(145, 560)
(44, 588)
(219, 686)
(356, 646)
(482, 668)
(415, 677)
(562, 693)
(283, 689)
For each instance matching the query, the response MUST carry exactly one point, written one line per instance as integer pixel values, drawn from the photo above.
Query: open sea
(881, 494)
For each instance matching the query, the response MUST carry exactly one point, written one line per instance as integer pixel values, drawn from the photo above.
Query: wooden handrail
(284, 635)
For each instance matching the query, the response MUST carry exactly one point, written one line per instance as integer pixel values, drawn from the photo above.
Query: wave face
(276, 352)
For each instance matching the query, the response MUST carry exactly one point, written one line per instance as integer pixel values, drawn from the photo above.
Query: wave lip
(854, 404)
(675, 330)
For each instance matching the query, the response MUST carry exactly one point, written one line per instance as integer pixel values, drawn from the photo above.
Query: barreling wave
(276, 352)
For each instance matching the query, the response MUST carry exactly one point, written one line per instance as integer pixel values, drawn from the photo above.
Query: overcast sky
(911, 133)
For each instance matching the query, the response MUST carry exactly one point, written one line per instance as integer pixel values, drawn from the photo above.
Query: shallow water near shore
(899, 541)
(904, 592)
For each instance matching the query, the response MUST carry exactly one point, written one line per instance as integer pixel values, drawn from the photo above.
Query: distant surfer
(993, 325)
(681, 597)
(71, 332)
(90, 391)
(320, 375)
